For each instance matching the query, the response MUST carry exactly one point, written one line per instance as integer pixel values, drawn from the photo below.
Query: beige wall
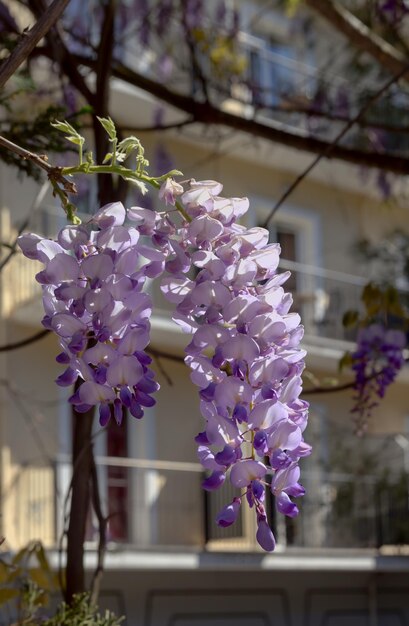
(29, 418)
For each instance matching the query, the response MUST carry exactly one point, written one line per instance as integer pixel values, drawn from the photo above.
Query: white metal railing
(320, 295)
(283, 88)
(159, 504)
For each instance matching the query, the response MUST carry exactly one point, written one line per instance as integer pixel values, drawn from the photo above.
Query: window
(298, 231)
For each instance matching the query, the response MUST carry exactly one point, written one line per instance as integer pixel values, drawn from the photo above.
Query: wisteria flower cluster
(244, 352)
(376, 363)
(93, 300)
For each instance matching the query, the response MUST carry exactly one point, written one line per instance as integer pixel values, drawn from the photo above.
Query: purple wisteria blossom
(92, 293)
(244, 350)
(376, 363)
(244, 353)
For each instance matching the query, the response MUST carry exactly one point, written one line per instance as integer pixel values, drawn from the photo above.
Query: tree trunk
(82, 459)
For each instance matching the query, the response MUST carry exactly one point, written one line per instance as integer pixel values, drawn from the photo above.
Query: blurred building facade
(343, 560)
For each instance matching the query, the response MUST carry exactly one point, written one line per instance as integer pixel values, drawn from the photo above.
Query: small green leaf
(292, 6)
(127, 146)
(109, 127)
(345, 361)
(79, 141)
(392, 302)
(40, 577)
(64, 127)
(170, 174)
(72, 136)
(42, 558)
(19, 556)
(107, 158)
(350, 319)
(14, 574)
(141, 186)
(4, 572)
(87, 108)
(371, 295)
(7, 593)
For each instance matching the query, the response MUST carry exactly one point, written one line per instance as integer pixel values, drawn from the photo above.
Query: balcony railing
(320, 295)
(159, 505)
(279, 84)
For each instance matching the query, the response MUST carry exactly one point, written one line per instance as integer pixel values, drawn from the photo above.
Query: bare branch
(106, 184)
(331, 147)
(330, 117)
(162, 127)
(102, 532)
(162, 369)
(59, 52)
(8, 347)
(359, 34)
(328, 389)
(53, 172)
(82, 455)
(319, 389)
(164, 355)
(207, 113)
(30, 39)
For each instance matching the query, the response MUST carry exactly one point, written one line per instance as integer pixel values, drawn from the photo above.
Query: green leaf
(14, 574)
(72, 136)
(21, 554)
(87, 108)
(392, 302)
(138, 183)
(42, 558)
(7, 593)
(350, 319)
(40, 577)
(64, 127)
(372, 298)
(127, 146)
(292, 6)
(170, 174)
(79, 141)
(107, 158)
(109, 127)
(345, 361)
(4, 572)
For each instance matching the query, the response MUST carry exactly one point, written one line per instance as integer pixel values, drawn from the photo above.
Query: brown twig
(162, 127)
(102, 530)
(359, 34)
(344, 386)
(53, 172)
(208, 113)
(161, 368)
(164, 355)
(30, 39)
(8, 347)
(333, 388)
(61, 54)
(331, 146)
